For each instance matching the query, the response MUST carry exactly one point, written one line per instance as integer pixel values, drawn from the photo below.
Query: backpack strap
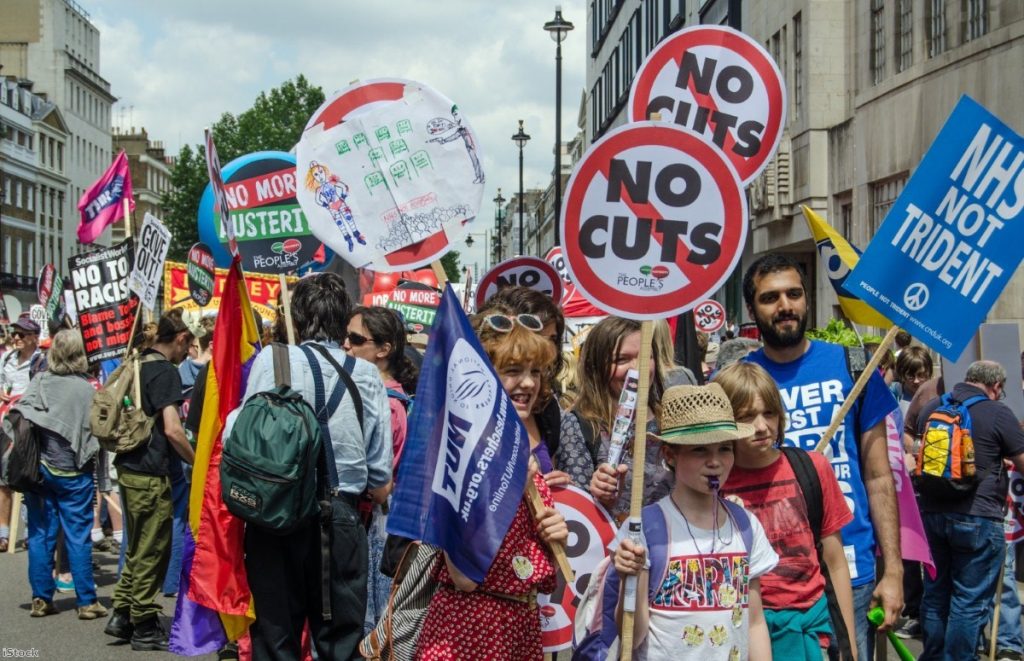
(810, 486)
(345, 375)
(323, 414)
(403, 398)
(282, 365)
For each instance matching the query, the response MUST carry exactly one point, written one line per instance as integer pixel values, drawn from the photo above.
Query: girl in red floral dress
(498, 619)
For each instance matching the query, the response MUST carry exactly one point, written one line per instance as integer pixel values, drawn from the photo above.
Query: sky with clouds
(177, 66)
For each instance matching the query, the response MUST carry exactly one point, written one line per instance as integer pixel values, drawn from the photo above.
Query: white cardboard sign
(150, 254)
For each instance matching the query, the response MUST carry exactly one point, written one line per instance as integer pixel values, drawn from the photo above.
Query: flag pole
(636, 502)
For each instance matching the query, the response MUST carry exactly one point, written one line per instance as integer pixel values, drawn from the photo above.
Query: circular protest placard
(271, 228)
(709, 316)
(590, 532)
(200, 273)
(389, 174)
(720, 84)
(532, 272)
(655, 220)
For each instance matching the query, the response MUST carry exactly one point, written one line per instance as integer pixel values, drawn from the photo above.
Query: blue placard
(950, 243)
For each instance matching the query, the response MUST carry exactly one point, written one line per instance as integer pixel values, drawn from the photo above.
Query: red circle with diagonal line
(693, 221)
(713, 54)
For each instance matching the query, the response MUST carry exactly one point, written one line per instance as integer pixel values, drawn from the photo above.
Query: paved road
(62, 637)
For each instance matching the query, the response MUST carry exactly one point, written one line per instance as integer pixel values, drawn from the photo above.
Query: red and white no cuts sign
(531, 272)
(709, 316)
(720, 84)
(654, 221)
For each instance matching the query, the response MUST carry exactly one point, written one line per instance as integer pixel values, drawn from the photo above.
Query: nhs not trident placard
(949, 244)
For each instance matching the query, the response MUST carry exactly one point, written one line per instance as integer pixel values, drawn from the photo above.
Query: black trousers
(284, 576)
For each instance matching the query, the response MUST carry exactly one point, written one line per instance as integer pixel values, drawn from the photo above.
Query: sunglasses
(504, 324)
(19, 335)
(357, 340)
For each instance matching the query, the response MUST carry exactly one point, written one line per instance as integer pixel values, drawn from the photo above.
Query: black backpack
(19, 445)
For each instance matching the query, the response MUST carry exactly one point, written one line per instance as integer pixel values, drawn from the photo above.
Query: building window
(975, 14)
(904, 35)
(883, 194)
(877, 41)
(846, 221)
(798, 66)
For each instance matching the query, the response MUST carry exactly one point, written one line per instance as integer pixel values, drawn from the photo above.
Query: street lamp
(558, 28)
(499, 204)
(521, 139)
(487, 246)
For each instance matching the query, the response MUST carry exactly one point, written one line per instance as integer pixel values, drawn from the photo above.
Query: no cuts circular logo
(720, 84)
(655, 220)
(709, 316)
(531, 272)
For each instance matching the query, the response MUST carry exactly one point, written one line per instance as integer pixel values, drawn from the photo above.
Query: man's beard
(782, 339)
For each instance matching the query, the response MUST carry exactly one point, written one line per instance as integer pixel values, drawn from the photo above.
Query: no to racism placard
(106, 308)
(531, 272)
(270, 227)
(654, 221)
(720, 84)
(952, 239)
(150, 253)
(389, 173)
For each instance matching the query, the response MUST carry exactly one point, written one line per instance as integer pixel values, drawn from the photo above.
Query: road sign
(654, 221)
(390, 174)
(532, 272)
(720, 84)
(709, 316)
(951, 241)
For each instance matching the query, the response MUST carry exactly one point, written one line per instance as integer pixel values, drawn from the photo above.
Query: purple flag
(101, 205)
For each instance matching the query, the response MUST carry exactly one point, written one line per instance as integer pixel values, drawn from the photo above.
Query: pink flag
(101, 205)
(913, 541)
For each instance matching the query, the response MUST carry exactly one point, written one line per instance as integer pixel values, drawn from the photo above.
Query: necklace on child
(715, 533)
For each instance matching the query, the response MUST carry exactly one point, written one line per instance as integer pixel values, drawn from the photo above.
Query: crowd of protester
(804, 543)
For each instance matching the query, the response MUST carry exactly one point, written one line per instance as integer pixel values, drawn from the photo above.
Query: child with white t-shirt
(707, 605)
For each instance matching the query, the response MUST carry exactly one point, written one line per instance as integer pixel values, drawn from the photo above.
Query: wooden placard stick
(858, 387)
(15, 521)
(286, 308)
(636, 501)
(557, 548)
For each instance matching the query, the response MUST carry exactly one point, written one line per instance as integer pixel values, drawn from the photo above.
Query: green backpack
(279, 450)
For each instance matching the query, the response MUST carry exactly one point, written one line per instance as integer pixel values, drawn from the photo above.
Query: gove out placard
(655, 220)
(106, 308)
(270, 227)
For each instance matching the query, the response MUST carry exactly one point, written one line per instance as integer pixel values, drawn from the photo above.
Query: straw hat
(695, 415)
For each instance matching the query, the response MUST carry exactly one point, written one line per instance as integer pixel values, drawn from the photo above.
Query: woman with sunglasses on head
(377, 335)
(611, 350)
(498, 618)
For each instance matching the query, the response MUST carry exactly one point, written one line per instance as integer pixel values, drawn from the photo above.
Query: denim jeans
(65, 502)
(865, 634)
(968, 552)
(1009, 636)
(179, 497)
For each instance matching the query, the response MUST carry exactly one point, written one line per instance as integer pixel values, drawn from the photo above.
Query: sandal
(3, 545)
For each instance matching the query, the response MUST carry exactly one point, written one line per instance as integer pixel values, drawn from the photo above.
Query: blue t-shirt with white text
(813, 388)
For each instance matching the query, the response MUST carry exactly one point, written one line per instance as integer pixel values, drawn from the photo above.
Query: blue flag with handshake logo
(463, 468)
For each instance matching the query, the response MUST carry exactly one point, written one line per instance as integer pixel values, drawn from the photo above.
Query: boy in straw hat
(706, 555)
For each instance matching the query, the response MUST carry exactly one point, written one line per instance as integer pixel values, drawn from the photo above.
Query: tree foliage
(450, 262)
(837, 332)
(274, 122)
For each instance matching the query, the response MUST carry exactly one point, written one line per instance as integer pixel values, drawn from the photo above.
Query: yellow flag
(839, 257)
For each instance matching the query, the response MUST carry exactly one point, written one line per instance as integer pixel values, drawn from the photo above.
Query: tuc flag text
(464, 463)
(101, 205)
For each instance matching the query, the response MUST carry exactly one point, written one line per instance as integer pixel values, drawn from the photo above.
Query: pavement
(63, 637)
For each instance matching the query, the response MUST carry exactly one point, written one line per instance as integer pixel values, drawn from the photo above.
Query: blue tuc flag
(464, 464)
(952, 239)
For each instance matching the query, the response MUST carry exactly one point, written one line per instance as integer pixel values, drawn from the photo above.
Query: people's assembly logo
(916, 296)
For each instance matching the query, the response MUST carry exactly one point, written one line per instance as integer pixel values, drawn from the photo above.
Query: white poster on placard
(150, 253)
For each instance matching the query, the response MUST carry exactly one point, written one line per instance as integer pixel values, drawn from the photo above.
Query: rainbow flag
(214, 602)
(838, 256)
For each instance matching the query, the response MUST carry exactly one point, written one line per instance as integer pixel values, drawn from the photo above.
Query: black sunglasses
(357, 340)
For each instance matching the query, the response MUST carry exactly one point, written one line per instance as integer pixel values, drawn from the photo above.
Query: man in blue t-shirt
(814, 380)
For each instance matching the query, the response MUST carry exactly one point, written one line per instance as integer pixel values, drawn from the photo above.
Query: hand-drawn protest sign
(389, 173)
(951, 240)
(532, 272)
(106, 309)
(37, 313)
(150, 253)
(263, 290)
(720, 84)
(268, 223)
(654, 221)
(590, 532)
(709, 316)
(200, 273)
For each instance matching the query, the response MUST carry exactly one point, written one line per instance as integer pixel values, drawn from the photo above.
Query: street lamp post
(558, 28)
(521, 138)
(499, 203)
(487, 247)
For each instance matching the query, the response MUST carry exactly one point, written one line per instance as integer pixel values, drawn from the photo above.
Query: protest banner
(106, 308)
(591, 529)
(416, 301)
(150, 254)
(720, 84)
(267, 222)
(44, 285)
(531, 272)
(389, 174)
(199, 274)
(217, 191)
(264, 290)
(949, 242)
(709, 316)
